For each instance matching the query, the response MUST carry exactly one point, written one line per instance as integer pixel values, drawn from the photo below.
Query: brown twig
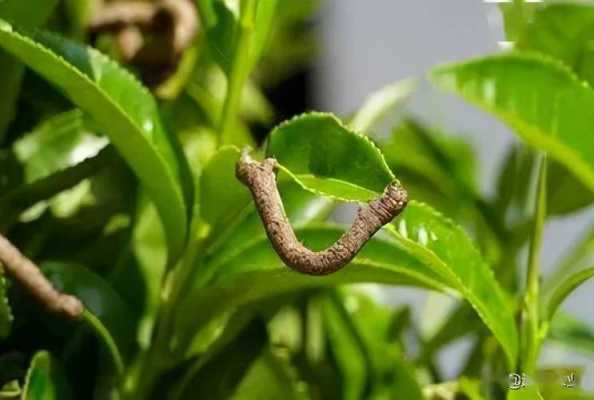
(260, 177)
(175, 19)
(29, 275)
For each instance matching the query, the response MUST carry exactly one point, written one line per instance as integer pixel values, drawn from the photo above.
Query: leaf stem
(239, 69)
(104, 335)
(531, 318)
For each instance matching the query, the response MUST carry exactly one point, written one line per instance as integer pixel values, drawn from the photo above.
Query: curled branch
(260, 178)
(29, 275)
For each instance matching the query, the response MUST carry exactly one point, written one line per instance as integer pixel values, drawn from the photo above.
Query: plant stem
(531, 319)
(239, 70)
(104, 335)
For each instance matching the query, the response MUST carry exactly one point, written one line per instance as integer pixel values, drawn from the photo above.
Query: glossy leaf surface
(325, 157)
(447, 249)
(123, 109)
(539, 98)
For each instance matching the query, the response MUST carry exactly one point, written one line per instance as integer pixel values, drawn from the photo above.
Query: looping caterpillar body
(260, 178)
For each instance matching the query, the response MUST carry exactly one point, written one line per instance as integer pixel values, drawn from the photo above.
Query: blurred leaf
(573, 333)
(207, 12)
(30, 15)
(564, 289)
(349, 353)
(447, 249)
(221, 196)
(529, 392)
(255, 272)
(45, 379)
(576, 257)
(470, 388)
(149, 249)
(127, 113)
(446, 163)
(79, 14)
(541, 100)
(221, 37)
(5, 311)
(515, 14)
(208, 87)
(564, 31)
(516, 179)
(11, 390)
(98, 297)
(566, 193)
(11, 171)
(325, 157)
(222, 375)
(379, 103)
(390, 375)
(56, 144)
(272, 377)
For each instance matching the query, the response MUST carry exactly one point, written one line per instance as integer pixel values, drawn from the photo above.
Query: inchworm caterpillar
(28, 274)
(260, 178)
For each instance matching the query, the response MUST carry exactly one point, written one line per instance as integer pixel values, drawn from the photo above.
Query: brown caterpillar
(260, 178)
(28, 274)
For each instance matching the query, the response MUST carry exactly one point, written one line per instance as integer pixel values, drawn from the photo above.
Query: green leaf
(127, 113)
(11, 390)
(325, 157)
(30, 15)
(345, 344)
(379, 103)
(206, 12)
(221, 195)
(563, 31)
(98, 297)
(58, 143)
(272, 377)
(5, 311)
(254, 272)
(45, 379)
(566, 193)
(515, 183)
(221, 37)
(443, 164)
(528, 393)
(556, 297)
(573, 333)
(221, 376)
(148, 247)
(447, 249)
(389, 374)
(539, 98)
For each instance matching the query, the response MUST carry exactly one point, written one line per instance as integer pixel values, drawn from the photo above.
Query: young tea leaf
(325, 157)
